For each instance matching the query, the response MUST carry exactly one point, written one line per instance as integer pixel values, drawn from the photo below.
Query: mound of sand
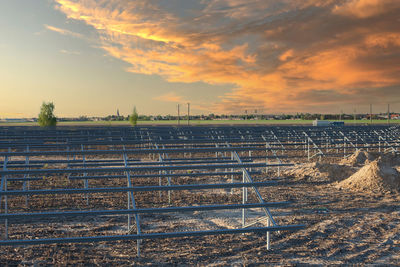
(379, 176)
(359, 158)
(321, 172)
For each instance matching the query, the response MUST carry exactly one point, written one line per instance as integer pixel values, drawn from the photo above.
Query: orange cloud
(170, 97)
(63, 31)
(274, 55)
(286, 55)
(383, 40)
(366, 8)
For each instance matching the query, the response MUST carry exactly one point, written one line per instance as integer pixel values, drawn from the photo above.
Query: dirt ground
(343, 226)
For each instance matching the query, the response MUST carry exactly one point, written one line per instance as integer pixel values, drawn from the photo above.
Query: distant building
(394, 116)
(321, 123)
(337, 123)
(327, 123)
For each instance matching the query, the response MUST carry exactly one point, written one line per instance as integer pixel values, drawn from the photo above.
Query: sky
(92, 57)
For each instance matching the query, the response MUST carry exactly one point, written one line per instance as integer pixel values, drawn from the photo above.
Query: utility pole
(388, 113)
(188, 118)
(179, 117)
(370, 113)
(245, 112)
(355, 116)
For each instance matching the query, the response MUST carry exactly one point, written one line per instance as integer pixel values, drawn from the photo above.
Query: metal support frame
(269, 148)
(166, 141)
(131, 202)
(309, 139)
(384, 140)
(247, 178)
(347, 140)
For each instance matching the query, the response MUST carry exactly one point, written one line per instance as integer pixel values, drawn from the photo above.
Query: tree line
(46, 117)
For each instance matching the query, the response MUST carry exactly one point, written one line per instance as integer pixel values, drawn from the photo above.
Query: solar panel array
(73, 173)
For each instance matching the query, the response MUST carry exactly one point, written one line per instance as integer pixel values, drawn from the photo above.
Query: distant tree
(133, 117)
(83, 118)
(46, 116)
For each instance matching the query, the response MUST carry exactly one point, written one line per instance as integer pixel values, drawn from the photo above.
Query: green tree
(133, 117)
(46, 116)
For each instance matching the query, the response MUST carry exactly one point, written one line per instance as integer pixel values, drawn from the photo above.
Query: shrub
(133, 117)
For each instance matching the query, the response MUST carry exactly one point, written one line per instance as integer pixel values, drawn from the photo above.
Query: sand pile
(379, 176)
(320, 172)
(359, 158)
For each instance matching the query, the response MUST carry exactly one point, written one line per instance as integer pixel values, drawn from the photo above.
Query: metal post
(250, 169)
(344, 147)
(169, 191)
(85, 174)
(188, 116)
(128, 193)
(26, 183)
(131, 202)
(268, 235)
(266, 158)
(164, 155)
(244, 193)
(355, 116)
(4, 187)
(159, 183)
(68, 154)
(179, 117)
(231, 171)
(370, 112)
(6, 209)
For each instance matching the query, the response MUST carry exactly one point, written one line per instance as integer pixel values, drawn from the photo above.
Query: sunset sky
(92, 57)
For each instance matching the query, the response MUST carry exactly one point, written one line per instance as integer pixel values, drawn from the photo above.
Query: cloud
(170, 97)
(273, 54)
(63, 31)
(68, 52)
(366, 8)
(286, 55)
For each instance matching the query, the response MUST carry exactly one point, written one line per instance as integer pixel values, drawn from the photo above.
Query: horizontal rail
(158, 175)
(22, 163)
(180, 150)
(23, 179)
(149, 235)
(85, 213)
(158, 167)
(134, 189)
(130, 151)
